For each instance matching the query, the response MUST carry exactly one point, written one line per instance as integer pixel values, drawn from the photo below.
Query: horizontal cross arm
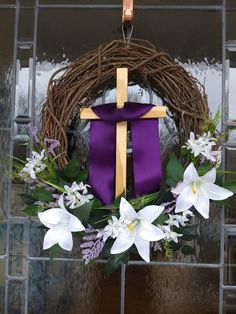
(155, 112)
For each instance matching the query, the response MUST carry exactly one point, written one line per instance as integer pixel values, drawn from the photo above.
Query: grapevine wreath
(161, 216)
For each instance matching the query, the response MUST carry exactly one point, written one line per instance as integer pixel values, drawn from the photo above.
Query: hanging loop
(127, 30)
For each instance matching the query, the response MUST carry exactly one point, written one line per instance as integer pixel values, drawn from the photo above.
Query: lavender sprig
(52, 143)
(33, 132)
(92, 245)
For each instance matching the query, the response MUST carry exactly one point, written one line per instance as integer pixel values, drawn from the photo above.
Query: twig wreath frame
(67, 201)
(83, 81)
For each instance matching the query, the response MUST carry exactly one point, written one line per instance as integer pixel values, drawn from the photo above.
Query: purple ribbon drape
(102, 150)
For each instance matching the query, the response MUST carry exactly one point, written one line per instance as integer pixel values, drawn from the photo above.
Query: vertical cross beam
(121, 132)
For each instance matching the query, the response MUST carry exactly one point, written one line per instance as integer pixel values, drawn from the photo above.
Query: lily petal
(75, 224)
(65, 240)
(126, 210)
(210, 176)
(215, 192)
(185, 200)
(179, 187)
(150, 213)
(61, 202)
(143, 248)
(51, 217)
(202, 205)
(190, 174)
(50, 238)
(123, 242)
(150, 232)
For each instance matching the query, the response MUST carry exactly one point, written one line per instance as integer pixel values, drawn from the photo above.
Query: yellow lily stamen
(130, 227)
(195, 186)
(194, 190)
(133, 225)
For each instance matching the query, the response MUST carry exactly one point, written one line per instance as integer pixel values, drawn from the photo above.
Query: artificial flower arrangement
(162, 221)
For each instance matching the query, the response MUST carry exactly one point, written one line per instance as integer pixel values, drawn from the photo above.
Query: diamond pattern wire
(16, 261)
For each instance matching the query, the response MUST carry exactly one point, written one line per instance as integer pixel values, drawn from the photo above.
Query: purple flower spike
(52, 143)
(32, 131)
(92, 245)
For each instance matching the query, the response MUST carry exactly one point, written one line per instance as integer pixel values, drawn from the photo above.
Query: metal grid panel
(19, 281)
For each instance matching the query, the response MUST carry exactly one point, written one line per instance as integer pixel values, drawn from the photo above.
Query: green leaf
(74, 172)
(42, 195)
(106, 251)
(227, 202)
(112, 266)
(97, 204)
(230, 185)
(54, 251)
(161, 219)
(187, 250)
(186, 229)
(118, 257)
(60, 174)
(175, 171)
(175, 246)
(82, 175)
(27, 198)
(83, 212)
(71, 170)
(57, 187)
(188, 237)
(204, 168)
(32, 210)
(184, 151)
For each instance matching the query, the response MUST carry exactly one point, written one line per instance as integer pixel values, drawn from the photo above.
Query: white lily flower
(197, 191)
(170, 235)
(139, 229)
(60, 223)
(34, 165)
(76, 195)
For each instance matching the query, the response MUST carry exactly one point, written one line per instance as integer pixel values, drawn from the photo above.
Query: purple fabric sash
(102, 150)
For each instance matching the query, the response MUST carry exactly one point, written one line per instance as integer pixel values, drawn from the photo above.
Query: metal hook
(127, 12)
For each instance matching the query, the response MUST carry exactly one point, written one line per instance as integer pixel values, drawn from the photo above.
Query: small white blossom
(203, 145)
(112, 230)
(170, 234)
(76, 195)
(217, 154)
(194, 145)
(187, 213)
(34, 165)
(172, 221)
(181, 219)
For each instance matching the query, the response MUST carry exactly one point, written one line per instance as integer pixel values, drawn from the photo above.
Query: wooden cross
(121, 128)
